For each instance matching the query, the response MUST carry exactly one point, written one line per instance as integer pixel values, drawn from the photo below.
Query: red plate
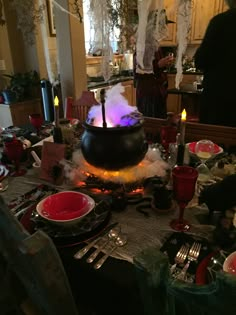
(201, 273)
(192, 146)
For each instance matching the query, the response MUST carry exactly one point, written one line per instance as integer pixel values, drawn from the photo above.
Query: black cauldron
(114, 148)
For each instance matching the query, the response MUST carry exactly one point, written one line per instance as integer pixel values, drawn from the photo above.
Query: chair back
(221, 135)
(81, 107)
(68, 107)
(33, 265)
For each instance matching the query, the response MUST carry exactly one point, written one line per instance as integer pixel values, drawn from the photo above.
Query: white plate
(3, 171)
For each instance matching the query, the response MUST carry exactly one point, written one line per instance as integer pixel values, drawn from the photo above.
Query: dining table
(114, 289)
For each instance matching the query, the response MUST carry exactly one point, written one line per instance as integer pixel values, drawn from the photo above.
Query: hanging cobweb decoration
(151, 29)
(184, 12)
(100, 33)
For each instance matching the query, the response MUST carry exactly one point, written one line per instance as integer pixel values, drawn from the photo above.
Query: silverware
(112, 235)
(80, 254)
(180, 257)
(32, 202)
(120, 241)
(192, 256)
(27, 202)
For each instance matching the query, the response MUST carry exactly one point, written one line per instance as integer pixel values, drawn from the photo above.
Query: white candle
(36, 158)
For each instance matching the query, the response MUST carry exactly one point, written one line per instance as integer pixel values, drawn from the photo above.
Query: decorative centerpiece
(114, 152)
(114, 137)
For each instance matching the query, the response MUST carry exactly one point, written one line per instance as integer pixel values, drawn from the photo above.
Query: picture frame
(51, 18)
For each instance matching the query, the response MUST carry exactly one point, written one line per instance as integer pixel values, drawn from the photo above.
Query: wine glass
(36, 121)
(14, 151)
(168, 135)
(171, 57)
(204, 150)
(184, 180)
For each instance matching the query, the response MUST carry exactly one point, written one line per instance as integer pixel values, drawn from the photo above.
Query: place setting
(71, 217)
(103, 246)
(68, 217)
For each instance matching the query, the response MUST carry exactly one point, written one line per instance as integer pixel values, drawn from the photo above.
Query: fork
(192, 256)
(180, 257)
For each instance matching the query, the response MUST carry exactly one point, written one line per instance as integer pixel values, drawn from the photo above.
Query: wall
(19, 56)
(5, 54)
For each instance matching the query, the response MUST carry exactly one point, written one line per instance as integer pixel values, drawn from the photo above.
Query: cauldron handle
(102, 97)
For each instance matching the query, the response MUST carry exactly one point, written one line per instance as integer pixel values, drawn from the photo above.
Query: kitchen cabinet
(17, 114)
(170, 40)
(223, 7)
(129, 92)
(202, 12)
(177, 102)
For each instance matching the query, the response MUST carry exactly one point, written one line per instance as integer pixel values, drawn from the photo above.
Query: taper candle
(182, 126)
(56, 107)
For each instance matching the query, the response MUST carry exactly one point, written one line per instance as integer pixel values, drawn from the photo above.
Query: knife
(84, 250)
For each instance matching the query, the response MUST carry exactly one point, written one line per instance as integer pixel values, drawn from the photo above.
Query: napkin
(176, 240)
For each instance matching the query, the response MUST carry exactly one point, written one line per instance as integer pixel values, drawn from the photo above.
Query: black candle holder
(102, 97)
(180, 154)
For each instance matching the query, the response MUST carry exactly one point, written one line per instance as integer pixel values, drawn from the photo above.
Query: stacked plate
(70, 217)
(67, 207)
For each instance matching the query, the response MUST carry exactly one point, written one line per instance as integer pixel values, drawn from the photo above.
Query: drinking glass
(184, 180)
(36, 121)
(171, 55)
(204, 150)
(168, 135)
(14, 151)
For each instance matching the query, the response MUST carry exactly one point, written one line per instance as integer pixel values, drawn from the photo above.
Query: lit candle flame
(56, 101)
(183, 115)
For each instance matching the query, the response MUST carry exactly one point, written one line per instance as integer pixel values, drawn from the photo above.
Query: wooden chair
(221, 135)
(68, 107)
(81, 107)
(31, 269)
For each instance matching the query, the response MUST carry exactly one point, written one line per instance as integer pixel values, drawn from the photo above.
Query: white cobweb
(151, 29)
(184, 12)
(100, 33)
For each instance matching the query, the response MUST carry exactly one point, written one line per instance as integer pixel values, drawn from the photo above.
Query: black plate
(73, 234)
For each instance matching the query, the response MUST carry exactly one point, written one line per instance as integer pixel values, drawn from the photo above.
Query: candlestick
(180, 154)
(56, 108)
(183, 126)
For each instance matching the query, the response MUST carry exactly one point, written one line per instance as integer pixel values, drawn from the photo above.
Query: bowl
(67, 207)
(230, 263)
(192, 146)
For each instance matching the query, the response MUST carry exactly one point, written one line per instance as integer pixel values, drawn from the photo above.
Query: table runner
(142, 231)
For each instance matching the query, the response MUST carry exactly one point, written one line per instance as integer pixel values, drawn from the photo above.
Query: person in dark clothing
(151, 88)
(216, 57)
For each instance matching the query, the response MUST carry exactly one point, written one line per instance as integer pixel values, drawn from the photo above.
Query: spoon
(112, 235)
(121, 240)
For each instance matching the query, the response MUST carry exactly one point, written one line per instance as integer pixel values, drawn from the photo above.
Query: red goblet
(14, 151)
(184, 180)
(36, 120)
(168, 135)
